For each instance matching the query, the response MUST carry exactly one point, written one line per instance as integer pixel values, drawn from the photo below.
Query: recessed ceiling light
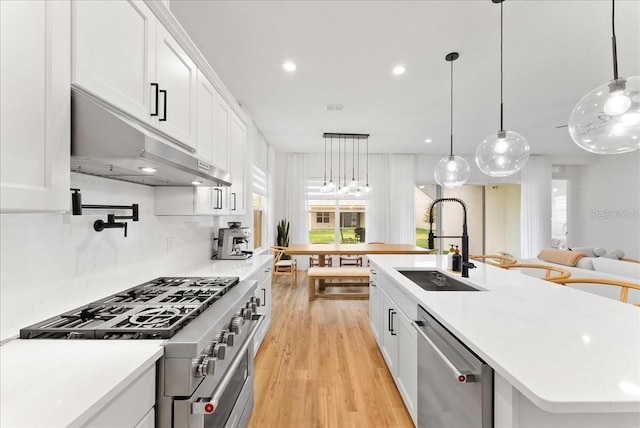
(428, 140)
(399, 69)
(196, 182)
(289, 66)
(148, 169)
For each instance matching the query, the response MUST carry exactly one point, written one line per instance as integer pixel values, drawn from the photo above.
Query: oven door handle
(208, 407)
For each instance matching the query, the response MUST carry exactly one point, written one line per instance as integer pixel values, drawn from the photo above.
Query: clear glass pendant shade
(502, 154)
(607, 119)
(452, 171)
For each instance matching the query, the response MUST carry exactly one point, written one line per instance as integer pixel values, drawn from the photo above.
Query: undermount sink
(432, 280)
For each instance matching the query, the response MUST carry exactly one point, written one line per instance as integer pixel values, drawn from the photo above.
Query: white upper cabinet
(34, 106)
(123, 55)
(176, 75)
(212, 124)
(238, 144)
(114, 45)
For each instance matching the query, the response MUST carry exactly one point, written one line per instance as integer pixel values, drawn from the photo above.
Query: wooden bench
(338, 277)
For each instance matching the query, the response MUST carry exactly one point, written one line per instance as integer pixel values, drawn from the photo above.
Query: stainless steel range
(205, 378)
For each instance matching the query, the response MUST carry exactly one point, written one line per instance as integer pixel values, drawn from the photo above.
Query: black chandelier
(355, 187)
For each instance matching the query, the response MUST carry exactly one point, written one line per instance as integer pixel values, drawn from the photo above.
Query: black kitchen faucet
(466, 265)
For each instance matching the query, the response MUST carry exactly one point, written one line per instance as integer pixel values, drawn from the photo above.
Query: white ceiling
(555, 52)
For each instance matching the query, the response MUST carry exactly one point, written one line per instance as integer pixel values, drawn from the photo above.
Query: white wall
(54, 262)
(608, 204)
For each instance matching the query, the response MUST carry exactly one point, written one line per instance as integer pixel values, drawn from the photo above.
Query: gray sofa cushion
(617, 267)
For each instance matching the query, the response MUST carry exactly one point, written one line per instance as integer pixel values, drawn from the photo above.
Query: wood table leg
(312, 288)
(321, 283)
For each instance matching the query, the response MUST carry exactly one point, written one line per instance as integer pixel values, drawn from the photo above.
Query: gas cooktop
(156, 309)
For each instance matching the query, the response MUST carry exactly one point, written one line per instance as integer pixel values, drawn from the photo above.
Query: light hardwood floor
(319, 366)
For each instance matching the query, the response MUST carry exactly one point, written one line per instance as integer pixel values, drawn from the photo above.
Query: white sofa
(601, 267)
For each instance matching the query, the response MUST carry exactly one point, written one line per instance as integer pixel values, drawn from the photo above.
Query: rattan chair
(494, 259)
(313, 261)
(283, 267)
(552, 273)
(624, 285)
(347, 260)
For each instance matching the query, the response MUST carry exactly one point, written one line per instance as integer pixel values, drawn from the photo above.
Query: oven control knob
(207, 367)
(228, 337)
(219, 350)
(255, 300)
(247, 314)
(252, 306)
(236, 324)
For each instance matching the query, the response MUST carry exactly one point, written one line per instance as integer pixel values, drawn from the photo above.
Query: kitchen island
(562, 357)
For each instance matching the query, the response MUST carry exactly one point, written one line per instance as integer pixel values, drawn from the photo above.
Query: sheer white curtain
(402, 224)
(535, 206)
(378, 215)
(296, 198)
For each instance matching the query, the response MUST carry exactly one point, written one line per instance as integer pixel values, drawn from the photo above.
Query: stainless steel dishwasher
(455, 387)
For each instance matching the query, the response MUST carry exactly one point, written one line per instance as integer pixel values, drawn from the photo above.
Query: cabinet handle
(391, 329)
(264, 297)
(155, 85)
(219, 198)
(164, 92)
(234, 201)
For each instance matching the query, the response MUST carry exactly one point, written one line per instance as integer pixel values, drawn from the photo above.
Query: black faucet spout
(466, 265)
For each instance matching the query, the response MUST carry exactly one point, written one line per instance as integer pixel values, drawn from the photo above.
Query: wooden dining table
(352, 250)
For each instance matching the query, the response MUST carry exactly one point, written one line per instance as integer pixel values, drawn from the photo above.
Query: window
(258, 219)
(334, 220)
(322, 217)
(259, 204)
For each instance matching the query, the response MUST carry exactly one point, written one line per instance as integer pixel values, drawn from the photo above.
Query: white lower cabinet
(130, 408)
(396, 337)
(35, 106)
(263, 276)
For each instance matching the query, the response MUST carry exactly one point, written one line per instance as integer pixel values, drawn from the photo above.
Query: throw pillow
(599, 252)
(561, 257)
(585, 263)
(587, 250)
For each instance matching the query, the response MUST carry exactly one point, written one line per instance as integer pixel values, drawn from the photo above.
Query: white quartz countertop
(63, 383)
(566, 350)
(56, 383)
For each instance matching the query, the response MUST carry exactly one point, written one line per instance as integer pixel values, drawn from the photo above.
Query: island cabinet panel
(396, 337)
(375, 307)
(34, 106)
(514, 410)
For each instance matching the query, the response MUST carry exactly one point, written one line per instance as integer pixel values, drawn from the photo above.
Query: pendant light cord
(501, 71)
(331, 162)
(451, 118)
(325, 161)
(613, 40)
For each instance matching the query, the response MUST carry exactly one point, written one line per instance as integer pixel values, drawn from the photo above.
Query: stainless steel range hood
(108, 144)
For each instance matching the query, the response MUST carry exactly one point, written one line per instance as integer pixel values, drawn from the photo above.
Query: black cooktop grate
(156, 309)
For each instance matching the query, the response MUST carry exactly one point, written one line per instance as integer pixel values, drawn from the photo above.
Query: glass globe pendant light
(607, 119)
(505, 152)
(452, 171)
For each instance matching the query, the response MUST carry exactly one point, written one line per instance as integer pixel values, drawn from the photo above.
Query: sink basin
(432, 280)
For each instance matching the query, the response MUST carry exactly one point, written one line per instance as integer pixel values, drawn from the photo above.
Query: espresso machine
(232, 242)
